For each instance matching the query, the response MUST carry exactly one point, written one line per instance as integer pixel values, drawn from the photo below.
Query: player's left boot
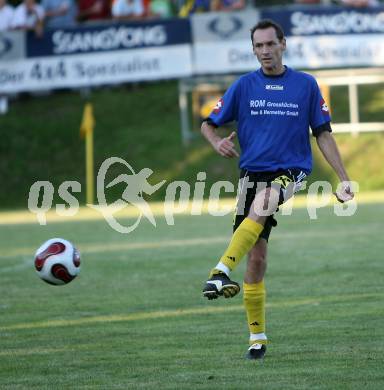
(220, 284)
(256, 351)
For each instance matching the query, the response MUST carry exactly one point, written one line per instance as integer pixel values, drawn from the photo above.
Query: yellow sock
(254, 302)
(243, 239)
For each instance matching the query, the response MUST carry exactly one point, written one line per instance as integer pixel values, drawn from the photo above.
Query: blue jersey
(273, 115)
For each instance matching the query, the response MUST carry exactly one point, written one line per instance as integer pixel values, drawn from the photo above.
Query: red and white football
(57, 261)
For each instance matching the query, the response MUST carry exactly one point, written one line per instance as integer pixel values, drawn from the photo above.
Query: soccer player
(274, 108)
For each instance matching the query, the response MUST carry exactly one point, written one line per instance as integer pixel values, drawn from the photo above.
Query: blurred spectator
(227, 5)
(6, 15)
(160, 8)
(29, 16)
(309, 1)
(360, 3)
(93, 10)
(194, 6)
(269, 3)
(59, 13)
(128, 10)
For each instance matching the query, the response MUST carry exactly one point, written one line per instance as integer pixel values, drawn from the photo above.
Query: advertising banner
(110, 37)
(329, 37)
(95, 69)
(222, 42)
(299, 21)
(205, 44)
(99, 55)
(12, 45)
(317, 37)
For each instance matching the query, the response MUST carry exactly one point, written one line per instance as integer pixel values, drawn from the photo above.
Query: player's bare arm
(330, 151)
(224, 146)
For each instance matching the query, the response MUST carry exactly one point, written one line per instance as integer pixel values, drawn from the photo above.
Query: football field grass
(135, 317)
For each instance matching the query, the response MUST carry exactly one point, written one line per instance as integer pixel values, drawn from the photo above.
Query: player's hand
(226, 148)
(344, 193)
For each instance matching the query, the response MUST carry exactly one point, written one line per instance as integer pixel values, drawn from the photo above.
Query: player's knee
(258, 257)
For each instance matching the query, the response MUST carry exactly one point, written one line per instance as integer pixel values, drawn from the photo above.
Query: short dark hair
(266, 23)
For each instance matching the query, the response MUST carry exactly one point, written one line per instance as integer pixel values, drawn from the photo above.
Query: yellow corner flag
(88, 121)
(86, 131)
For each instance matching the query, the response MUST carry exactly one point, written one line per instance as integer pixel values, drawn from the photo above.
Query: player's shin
(243, 239)
(254, 302)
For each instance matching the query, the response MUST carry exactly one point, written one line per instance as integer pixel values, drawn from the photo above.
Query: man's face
(268, 49)
(29, 4)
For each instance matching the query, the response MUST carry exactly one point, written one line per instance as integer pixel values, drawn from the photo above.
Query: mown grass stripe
(183, 312)
(115, 247)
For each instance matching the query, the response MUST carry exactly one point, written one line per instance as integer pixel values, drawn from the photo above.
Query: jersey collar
(274, 76)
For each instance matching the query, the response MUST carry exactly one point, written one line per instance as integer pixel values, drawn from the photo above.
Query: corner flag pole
(86, 131)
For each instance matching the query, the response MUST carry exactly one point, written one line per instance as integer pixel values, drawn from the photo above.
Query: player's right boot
(256, 351)
(220, 284)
